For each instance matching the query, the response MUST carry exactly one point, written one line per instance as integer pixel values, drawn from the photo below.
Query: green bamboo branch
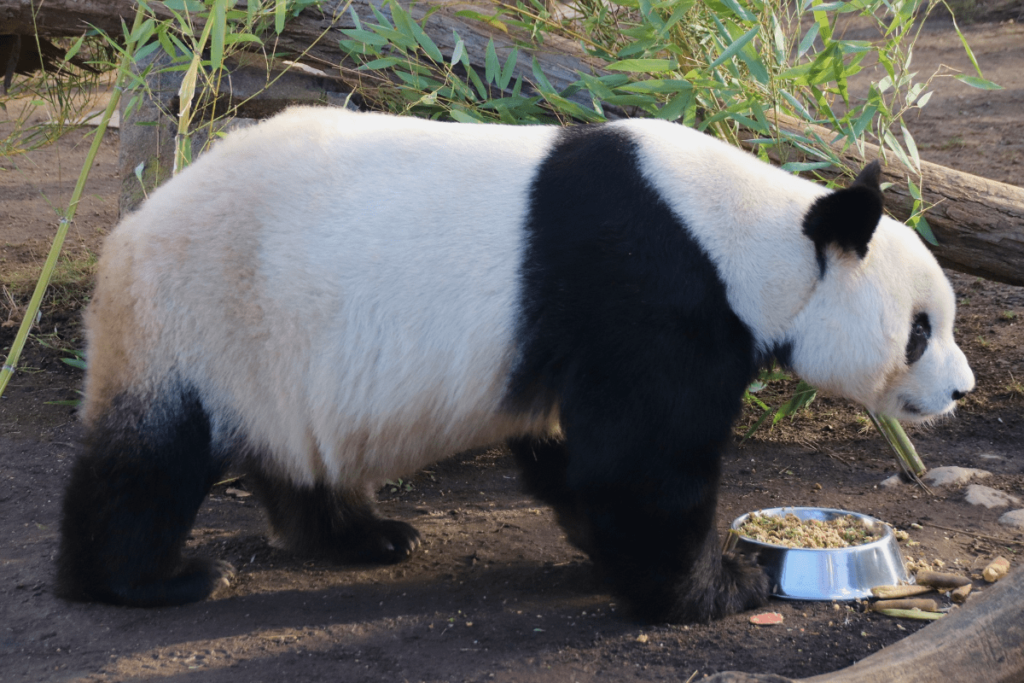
(64, 223)
(906, 455)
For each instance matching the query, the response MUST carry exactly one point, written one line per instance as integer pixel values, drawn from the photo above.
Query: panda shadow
(496, 618)
(504, 598)
(456, 566)
(478, 622)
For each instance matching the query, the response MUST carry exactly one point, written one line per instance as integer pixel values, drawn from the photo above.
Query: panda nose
(957, 394)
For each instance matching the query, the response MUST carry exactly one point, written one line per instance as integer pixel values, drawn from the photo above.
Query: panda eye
(920, 332)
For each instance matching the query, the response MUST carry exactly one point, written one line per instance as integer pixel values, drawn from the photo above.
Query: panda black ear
(847, 218)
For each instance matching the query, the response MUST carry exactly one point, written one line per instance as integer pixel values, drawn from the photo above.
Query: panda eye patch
(920, 332)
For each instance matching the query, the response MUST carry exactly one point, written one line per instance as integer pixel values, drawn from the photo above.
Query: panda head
(878, 327)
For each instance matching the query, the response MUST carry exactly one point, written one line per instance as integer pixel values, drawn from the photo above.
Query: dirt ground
(495, 593)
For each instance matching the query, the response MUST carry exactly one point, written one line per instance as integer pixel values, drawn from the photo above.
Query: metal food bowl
(829, 573)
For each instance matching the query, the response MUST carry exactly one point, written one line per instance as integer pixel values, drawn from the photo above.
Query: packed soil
(495, 592)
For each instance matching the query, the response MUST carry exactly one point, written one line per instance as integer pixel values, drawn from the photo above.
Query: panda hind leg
(130, 503)
(322, 521)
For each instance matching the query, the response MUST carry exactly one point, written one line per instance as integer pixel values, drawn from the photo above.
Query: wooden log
(978, 223)
(981, 641)
(317, 31)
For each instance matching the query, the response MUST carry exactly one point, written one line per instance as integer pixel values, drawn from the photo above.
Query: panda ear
(847, 218)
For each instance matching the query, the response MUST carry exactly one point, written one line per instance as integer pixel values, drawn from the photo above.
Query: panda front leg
(323, 521)
(667, 560)
(643, 506)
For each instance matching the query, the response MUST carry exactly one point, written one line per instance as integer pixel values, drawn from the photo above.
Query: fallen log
(316, 32)
(978, 223)
(982, 641)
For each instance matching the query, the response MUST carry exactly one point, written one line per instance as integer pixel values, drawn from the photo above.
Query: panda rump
(329, 299)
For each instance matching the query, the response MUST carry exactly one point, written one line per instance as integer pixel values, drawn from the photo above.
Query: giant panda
(329, 299)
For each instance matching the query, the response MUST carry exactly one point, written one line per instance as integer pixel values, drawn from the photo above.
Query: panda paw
(745, 584)
(223, 573)
(195, 579)
(213, 575)
(385, 541)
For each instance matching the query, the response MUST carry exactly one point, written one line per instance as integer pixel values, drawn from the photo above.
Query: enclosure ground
(495, 593)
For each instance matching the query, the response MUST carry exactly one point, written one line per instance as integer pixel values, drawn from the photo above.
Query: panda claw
(220, 573)
(227, 573)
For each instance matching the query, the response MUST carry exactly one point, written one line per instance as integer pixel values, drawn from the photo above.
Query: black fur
(846, 218)
(920, 333)
(133, 497)
(320, 521)
(131, 500)
(625, 322)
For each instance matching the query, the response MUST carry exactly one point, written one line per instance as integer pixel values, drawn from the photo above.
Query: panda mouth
(911, 409)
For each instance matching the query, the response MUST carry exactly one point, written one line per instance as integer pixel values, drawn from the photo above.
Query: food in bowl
(790, 531)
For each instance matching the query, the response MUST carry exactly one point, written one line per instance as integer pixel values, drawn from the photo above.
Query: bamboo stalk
(899, 442)
(65, 221)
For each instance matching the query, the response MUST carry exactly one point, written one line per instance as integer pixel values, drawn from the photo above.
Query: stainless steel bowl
(825, 574)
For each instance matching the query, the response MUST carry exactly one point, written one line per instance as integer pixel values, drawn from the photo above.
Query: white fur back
(350, 292)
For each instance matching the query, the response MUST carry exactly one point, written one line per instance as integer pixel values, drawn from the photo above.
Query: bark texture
(980, 641)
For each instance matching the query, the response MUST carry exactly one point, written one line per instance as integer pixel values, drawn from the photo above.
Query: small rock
(989, 497)
(946, 476)
(892, 482)
(1013, 518)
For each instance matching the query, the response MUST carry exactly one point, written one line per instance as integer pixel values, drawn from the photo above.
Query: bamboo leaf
(460, 47)
(802, 166)
(978, 82)
(892, 143)
(543, 84)
(382, 63)
(657, 85)
(755, 65)
(908, 140)
(924, 229)
(184, 5)
(280, 14)
(803, 396)
(510, 65)
(428, 45)
(366, 37)
(735, 47)
(75, 48)
(492, 67)
(739, 11)
(682, 7)
(680, 106)
(643, 65)
(147, 50)
(808, 40)
(220, 26)
(166, 44)
(967, 48)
